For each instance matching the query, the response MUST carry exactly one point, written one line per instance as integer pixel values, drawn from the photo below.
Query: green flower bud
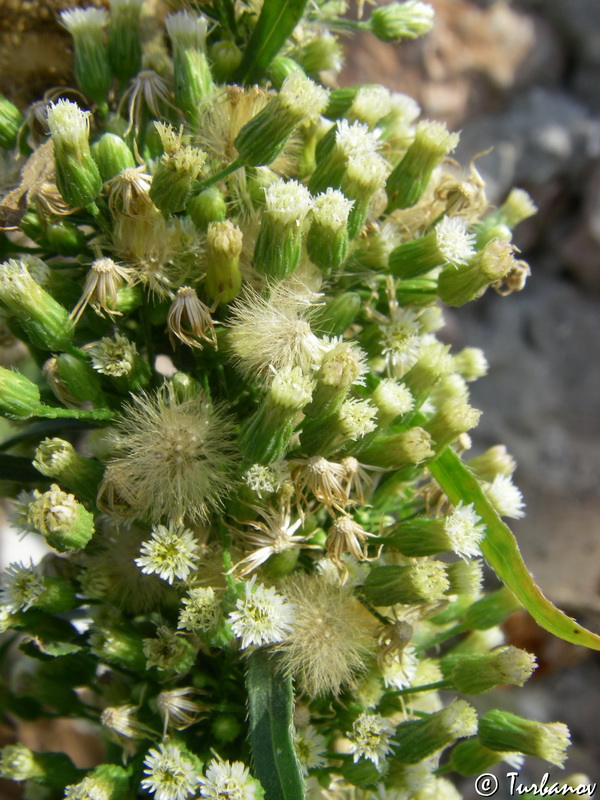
(471, 758)
(176, 172)
(418, 739)
(58, 596)
(64, 238)
(397, 450)
(61, 519)
(337, 314)
(398, 21)
(226, 57)
(73, 381)
(169, 652)
(223, 279)
(500, 730)
(92, 70)
(121, 646)
(192, 79)
(342, 365)
(495, 461)
(417, 583)
(19, 397)
(409, 179)
(57, 459)
(11, 120)
(322, 54)
(43, 320)
(265, 436)
(491, 610)
(455, 416)
(480, 672)
(280, 68)
(185, 387)
(225, 728)
(517, 207)
(279, 243)
(19, 763)
(261, 140)
(206, 207)
(77, 175)
(434, 363)
(364, 176)
(124, 42)
(112, 155)
(457, 286)
(327, 240)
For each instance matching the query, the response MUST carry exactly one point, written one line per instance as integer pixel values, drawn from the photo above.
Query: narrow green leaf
(277, 20)
(501, 551)
(271, 702)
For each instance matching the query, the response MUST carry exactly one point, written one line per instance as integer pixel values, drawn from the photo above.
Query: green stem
(50, 412)
(428, 687)
(218, 176)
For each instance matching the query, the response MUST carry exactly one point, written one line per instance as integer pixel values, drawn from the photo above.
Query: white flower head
(355, 139)
(370, 104)
(87, 789)
(465, 530)
(357, 418)
(505, 497)
(83, 20)
(455, 244)
(370, 737)
(171, 553)
(171, 776)
(262, 617)
(288, 202)
(186, 30)
(301, 97)
(226, 780)
(201, 610)
(22, 586)
(309, 745)
(113, 356)
(332, 209)
(400, 669)
(266, 479)
(68, 123)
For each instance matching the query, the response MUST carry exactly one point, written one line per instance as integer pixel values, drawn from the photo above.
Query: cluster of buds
(261, 541)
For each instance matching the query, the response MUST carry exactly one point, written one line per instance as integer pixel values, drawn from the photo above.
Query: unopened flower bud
(282, 67)
(418, 739)
(112, 154)
(77, 175)
(397, 21)
(397, 450)
(409, 179)
(91, 59)
(491, 610)
(471, 363)
(57, 459)
(470, 758)
(322, 54)
(501, 730)
(44, 321)
(424, 582)
(364, 176)
(192, 78)
(124, 41)
(455, 416)
(433, 364)
(169, 652)
(479, 672)
(11, 120)
(495, 461)
(261, 140)
(223, 279)
(279, 243)
(19, 763)
(327, 240)
(265, 436)
(447, 243)
(119, 645)
(225, 58)
(393, 399)
(206, 207)
(61, 519)
(118, 359)
(337, 314)
(341, 367)
(19, 397)
(517, 207)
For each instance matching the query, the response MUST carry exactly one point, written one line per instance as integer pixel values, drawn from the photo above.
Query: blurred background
(521, 78)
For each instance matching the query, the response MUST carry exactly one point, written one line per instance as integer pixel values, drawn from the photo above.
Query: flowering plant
(236, 429)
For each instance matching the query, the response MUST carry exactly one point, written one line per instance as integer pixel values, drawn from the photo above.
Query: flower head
(189, 319)
(201, 610)
(175, 458)
(505, 497)
(370, 737)
(100, 288)
(171, 553)
(227, 780)
(22, 586)
(171, 776)
(465, 530)
(262, 617)
(309, 745)
(176, 708)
